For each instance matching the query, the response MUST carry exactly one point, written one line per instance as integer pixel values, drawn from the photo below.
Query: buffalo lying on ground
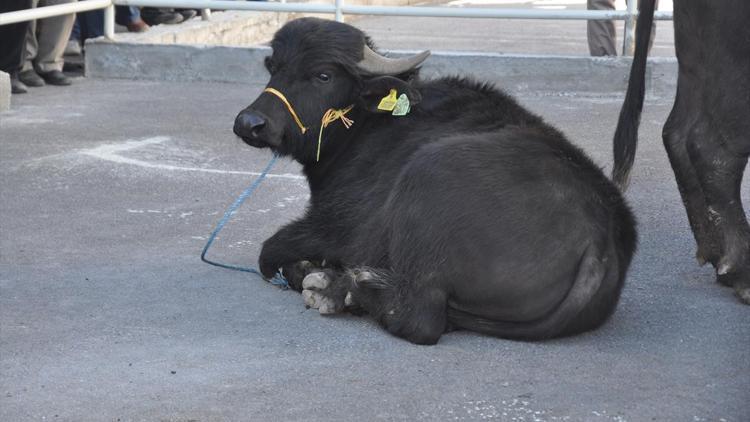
(707, 135)
(435, 205)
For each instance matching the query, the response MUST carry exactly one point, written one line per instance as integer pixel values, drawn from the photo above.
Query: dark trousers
(91, 24)
(13, 37)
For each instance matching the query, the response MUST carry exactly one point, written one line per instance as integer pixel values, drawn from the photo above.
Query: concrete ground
(109, 190)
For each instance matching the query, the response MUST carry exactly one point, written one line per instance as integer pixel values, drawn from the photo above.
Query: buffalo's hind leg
(709, 175)
(407, 310)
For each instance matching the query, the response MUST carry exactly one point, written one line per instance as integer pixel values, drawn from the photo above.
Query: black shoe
(30, 78)
(55, 77)
(16, 86)
(187, 14)
(155, 16)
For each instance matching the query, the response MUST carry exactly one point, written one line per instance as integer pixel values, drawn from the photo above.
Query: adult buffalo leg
(417, 313)
(706, 134)
(719, 170)
(675, 137)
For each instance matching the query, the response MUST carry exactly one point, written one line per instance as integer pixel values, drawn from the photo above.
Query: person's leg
(52, 37)
(75, 33)
(13, 47)
(92, 24)
(73, 48)
(31, 46)
(28, 75)
(601, 33)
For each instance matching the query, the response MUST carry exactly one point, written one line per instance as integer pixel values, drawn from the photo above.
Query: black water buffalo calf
(707, 134)
(467, 212)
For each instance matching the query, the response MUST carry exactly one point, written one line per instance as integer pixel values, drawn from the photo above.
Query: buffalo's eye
(324, 77)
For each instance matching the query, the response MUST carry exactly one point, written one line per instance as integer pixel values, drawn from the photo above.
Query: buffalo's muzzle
(249, 126)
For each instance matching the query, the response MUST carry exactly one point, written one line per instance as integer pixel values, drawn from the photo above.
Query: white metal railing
(338, 8)
(48, 11)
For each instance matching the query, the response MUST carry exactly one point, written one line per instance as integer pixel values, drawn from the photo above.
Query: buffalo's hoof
(322, 293)
(349, 300)
(700, 257)
(707, 255)
(311, 293)
(295, 273)
(743, 292)
(739, 280)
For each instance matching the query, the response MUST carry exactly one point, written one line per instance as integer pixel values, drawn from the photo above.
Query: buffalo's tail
(626, 135)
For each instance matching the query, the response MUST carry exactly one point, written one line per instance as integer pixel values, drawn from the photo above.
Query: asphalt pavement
(110, 188)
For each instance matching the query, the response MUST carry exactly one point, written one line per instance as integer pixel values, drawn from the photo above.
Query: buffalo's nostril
(249, 124)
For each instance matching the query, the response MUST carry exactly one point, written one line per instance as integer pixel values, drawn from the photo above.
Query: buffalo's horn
(380, 65)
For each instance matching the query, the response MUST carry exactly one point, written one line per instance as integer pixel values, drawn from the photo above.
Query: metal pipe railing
(339, 8)
(478, 12)
(414, 11)
(109, 22)
(339, 13)
(628, 39)
(49, 11)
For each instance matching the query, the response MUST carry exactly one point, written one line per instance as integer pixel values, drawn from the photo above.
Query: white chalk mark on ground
(111, 152)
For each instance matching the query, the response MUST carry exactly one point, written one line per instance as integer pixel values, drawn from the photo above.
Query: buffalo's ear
(375, 89)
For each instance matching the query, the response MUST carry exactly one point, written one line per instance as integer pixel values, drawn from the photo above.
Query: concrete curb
(4, 91)
(514, 73)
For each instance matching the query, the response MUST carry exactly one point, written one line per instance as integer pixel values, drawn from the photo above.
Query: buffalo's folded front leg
(295, 242)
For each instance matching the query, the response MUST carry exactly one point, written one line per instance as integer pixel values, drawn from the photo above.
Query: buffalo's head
(316, 66)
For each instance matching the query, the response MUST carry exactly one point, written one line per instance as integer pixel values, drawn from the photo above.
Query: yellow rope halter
(288, 106)
(330, 116)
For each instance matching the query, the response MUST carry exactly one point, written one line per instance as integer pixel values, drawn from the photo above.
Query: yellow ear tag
(402, 106)
(388, 103)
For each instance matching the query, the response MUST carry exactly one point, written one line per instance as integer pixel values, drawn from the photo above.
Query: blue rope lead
(278, 279)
